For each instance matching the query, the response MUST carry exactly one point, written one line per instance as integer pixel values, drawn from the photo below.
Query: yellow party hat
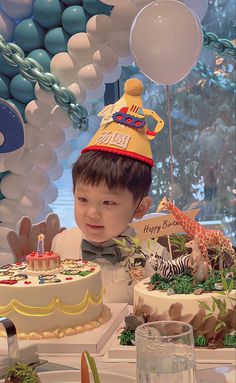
(123, 128)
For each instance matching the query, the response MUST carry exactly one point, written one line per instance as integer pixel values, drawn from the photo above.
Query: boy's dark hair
(116, 171)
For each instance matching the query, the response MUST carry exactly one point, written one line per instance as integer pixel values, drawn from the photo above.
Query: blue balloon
(94, 7)
(74, 19)
(72, 2)
(55, 41)
(4, 86)
(29, 35)
(3, 174)
(42, 57)
(7, 69)
(19, 105)
(48, 13)
(21, 89)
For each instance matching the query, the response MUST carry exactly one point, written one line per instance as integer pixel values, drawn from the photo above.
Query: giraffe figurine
(198, 264)
(207, 239)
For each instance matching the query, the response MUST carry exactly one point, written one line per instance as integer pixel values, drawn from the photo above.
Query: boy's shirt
(115, 278)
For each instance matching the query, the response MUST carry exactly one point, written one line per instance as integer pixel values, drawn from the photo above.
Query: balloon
(112, 76)
(12, 186)
(63, 67)
(116, 2)
(50, 194)
(93, 94)
(90, 77)
(9, 211)
(120, 43)
(172, 43)
(20, 107)
(123, 16)
(3, 237)
(199, 7)
(31, 204)
(29, 35)
(21, 89)
(72, 2)
(36, 114)
(74, 19)
(42, 57)
(52, 135)
(126, 61)
(41, 216)
(81, 48)
(94, 7)
(4, 86)
(32, 136)
(55, 40)
(6, 26)
(71, 133)
(17, 9)
(60, 117)
(56, 171)
(7, 69)
(64, 150)
(24, 165)
(48, 13)
(99, 28)
(105, 59)
(43, 157)
(78, 91)
(44, 97)
(37, 180)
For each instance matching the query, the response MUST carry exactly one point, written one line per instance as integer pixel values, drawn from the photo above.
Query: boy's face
(101, 213)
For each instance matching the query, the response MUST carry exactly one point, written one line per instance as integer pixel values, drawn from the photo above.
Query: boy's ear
(143, 207)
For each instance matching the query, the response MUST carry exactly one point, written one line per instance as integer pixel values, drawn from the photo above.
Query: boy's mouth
(94, 227)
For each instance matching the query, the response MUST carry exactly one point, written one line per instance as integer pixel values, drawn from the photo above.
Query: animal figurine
(167, 268)
(198, 265)
(207, 239)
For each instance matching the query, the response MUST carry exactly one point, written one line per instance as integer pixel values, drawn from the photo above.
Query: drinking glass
(165, 352)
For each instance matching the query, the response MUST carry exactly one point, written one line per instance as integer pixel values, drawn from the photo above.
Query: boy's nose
(93, 212)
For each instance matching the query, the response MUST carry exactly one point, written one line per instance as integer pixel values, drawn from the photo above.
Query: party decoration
(55, 40)
(199, 7)
(94, 7)
(12, 135)
(120, 43)
(48, 13)
(50, 194)
(52, 135)
(31, 204)
(34, 116)
(43, 97)
(81, 48)
(17, 9)
(116, 2)
(29, 35)
(12, 186)
(170, 27)
(43, 157)
(74, 19)
(23, 165)
(32, 136)
(36, 180)
(56, 171)
(99, 27)
(4, 86)
(63, 67)
(42, 57)
(21, 89)
(19, 105)
(78, 91)
(7, 69)
(10, 210)
(6, 26)
(90, 77)
(105, 59)
(123, 16)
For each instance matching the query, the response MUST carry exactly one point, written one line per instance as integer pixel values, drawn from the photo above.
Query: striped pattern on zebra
(168, 268)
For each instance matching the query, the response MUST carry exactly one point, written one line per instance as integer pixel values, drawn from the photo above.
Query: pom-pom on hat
(123, 128)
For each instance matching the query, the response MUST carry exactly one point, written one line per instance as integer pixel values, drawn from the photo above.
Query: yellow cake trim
(46, 310)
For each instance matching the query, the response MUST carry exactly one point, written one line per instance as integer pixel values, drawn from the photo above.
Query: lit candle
(40, 246)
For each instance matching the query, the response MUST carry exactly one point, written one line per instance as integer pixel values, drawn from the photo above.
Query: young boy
(111, 182)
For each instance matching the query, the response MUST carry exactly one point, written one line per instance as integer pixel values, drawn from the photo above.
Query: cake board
(93, 341)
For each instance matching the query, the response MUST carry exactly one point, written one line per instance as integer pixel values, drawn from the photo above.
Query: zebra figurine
(167, 268)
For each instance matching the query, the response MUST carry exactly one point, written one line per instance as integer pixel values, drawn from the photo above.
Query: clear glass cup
(165, 352)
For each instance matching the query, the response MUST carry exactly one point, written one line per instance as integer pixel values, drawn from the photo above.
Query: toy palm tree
(21, 373)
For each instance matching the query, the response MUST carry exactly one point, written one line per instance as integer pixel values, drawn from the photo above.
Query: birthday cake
(49, 298)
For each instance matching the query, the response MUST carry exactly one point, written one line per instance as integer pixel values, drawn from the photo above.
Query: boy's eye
(82, 199)
(109, 203)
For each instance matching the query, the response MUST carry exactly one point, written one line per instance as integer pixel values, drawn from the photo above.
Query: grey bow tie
(90, 252)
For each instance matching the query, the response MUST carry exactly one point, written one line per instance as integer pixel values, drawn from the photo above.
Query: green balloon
(74, 19)
(72, 2)
(42, 57)
(55, 40)
(29, 35)
(48, 13)
(21, 89)
(4, 87)
(94, 7)
(7, 69)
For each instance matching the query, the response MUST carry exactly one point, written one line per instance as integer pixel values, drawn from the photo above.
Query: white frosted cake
(48, 304)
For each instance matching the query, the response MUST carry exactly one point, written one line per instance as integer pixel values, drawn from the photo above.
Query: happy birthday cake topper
(123, 129)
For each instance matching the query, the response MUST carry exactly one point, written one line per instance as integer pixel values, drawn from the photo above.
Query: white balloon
(41, 217)
(120, 43)
(37, 180)
(126, 61)
(31, 204)
(80, 47)
(52, 135)
(64, 150)
(44, 97)
(36, 113)
(50, 194)
(64, 68)
(59, 117)
(56, 171)
(79, 92)
(99, 28)
(6, 26)
(32, 136)
(94, 94)
(24, 165)
(12, 186)
(17, 9)
(198, 6)
(90, 77)
(105, 59)
(140, 4)
(9, 211)
(43, 157)
(112, 76)
(123, 16)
